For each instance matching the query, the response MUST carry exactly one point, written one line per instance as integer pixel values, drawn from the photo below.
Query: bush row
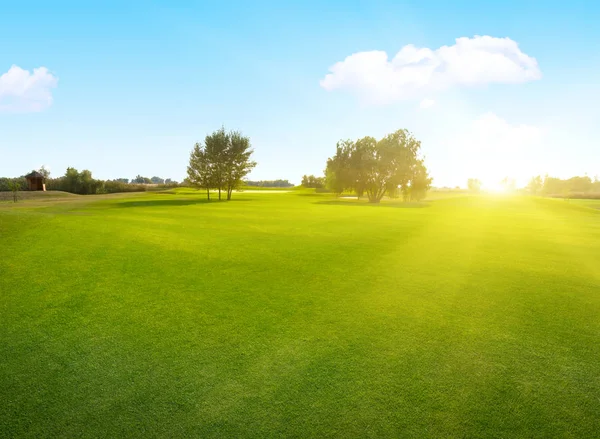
(6, 182)
(578, 195)
(84, 185)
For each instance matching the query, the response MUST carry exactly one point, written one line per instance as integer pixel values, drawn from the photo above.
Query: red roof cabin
(35, 181)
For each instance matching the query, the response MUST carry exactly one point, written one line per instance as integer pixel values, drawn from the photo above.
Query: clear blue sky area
(131, 85)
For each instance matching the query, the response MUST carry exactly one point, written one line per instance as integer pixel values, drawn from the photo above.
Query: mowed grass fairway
(298, 315)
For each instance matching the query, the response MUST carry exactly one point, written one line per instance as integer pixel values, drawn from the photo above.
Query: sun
(495, 187)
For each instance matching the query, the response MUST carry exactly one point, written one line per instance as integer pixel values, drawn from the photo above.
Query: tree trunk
(229, 193)
(207, 193)
(375, 195)
(372, 197)
(219, 193)
(381, 194)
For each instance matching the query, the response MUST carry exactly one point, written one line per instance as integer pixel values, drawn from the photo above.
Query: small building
(35, 181)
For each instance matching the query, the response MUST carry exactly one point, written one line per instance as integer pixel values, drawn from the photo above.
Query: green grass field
(299, 315)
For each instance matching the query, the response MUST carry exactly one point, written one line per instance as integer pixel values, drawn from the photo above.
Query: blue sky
(131, 85)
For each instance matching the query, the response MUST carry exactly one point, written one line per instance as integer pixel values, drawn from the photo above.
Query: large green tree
(221, 162)
(378, 167)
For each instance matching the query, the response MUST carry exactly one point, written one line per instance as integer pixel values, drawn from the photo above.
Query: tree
(199, 170)
(14, 186)
(552, 185)
(141, 180)
(215, 145)
(310, 181)
(78, 182)
(221, 162)
(474, 185)
(237, 161)
(596, 184)
(333, 182)
(377, 167)
(157, 180)
(359, 166)
(87, 182)
(338, 170)
(579, 184)
(268, 183)
(535, 185)
(573, 185)
(420, 182)
(72, 180)
(45, 173)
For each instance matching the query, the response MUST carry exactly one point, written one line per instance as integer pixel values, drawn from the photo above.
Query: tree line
(580, 187)
(145, 180)
(8, 184)
(575, 186)
(83, 183)
(391, 166)
(310, 181)
(221, 162)
(268, 183)
(80, 182)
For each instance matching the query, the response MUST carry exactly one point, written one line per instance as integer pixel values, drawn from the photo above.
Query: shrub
(6, 183)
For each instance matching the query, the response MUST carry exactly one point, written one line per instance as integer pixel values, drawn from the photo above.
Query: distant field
(299, 315)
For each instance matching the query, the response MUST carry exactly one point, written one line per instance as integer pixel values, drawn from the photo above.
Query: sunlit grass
(299, 315)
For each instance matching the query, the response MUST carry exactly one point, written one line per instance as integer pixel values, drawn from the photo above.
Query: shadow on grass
(172, 203)
(313, 194)
(399, 205)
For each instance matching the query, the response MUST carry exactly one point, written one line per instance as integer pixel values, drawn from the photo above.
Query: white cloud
(25, 91)
(491, 148)
(426, 103)
(471, 61)
(489, 131)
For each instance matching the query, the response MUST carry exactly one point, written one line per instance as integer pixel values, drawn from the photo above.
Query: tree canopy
(221, 162)
(139, 179)
(377, 167)
(310, 181)
(45, 172)
(474, 184)
(571, 186)
(535, 185)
